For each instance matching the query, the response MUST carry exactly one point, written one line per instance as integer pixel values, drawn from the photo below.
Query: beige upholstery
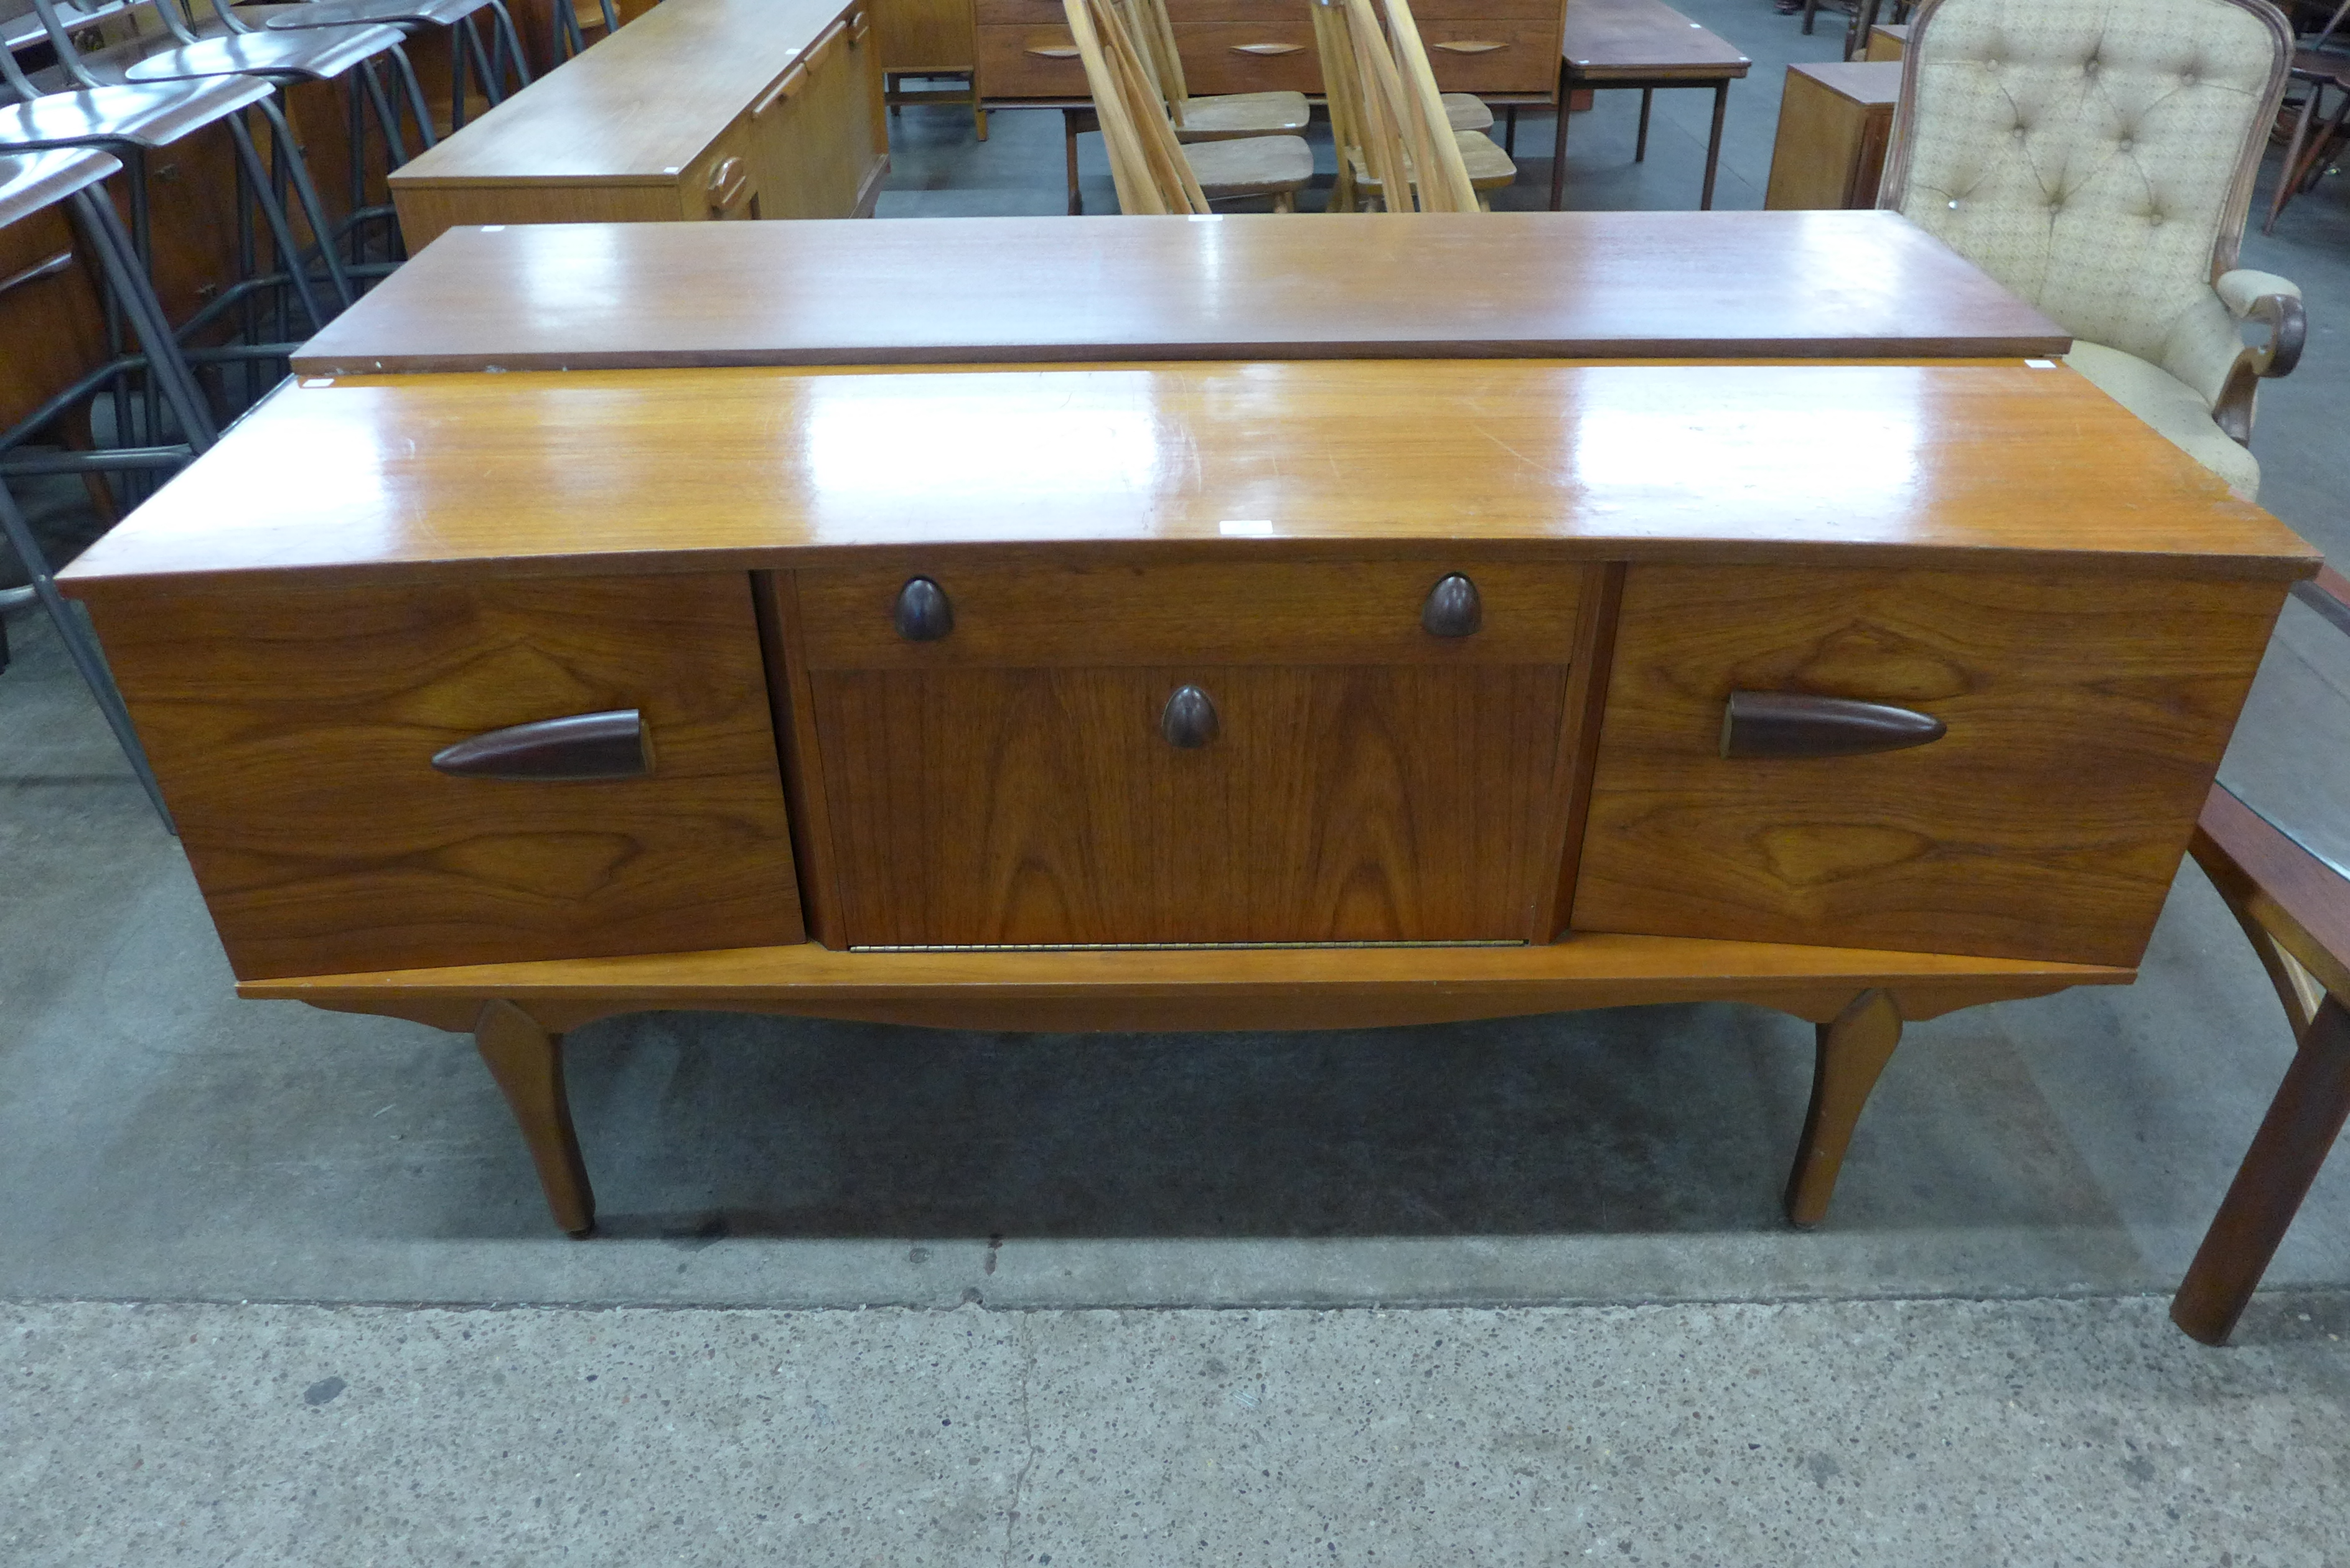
(2096, 157)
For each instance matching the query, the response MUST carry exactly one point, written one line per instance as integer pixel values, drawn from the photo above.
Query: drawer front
(2047, 823)
(1365, 612)
(724, 183)
(294, 730)
(1271, 55)
(1038, 61)
(983, 807)
(1493, 54)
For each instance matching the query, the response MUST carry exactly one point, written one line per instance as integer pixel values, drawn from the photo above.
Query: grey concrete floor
(1614, 1347)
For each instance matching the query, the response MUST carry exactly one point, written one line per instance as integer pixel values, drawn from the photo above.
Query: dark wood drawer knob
(1190, 719)
(923, 614)
(577, 747)
(1794, 724)
(1452, 608)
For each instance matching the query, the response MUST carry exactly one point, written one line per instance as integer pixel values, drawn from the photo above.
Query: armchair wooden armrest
(2252, 296)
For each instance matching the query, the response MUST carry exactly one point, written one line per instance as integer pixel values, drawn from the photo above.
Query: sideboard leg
(1851, 1052)
(527, 1062)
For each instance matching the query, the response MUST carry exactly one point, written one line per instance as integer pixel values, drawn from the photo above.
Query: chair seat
(1467, 111)
(153, 115)
(321, 54)
(1243, 114)
(340, 13)
(1255, 166)
(1490, 168)
(34, 181)
(2176, 410)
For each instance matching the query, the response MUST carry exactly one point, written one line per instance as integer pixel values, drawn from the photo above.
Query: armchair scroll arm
(2257, 297)
(2263, 296)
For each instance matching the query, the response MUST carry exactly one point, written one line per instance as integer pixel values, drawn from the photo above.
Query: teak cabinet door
(1018, 781)
(293, 731)
(2086, 719)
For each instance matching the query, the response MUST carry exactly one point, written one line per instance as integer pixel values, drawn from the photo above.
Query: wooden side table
(1646, 45)
(2275, 841)
(1835, 121)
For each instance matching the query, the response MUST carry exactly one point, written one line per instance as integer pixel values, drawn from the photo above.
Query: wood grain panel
(927, 35)
(1012, 67)
(52, 322)
(1218, 57)
(1336, 805)
(1974, 467)
(428, 212)
(1525, 62)
(293, 732)
(1336, 612)
(2087, 719)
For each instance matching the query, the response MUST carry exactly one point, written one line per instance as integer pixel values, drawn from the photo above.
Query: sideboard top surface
(575, 297)
(638, 105)
(1968, 465)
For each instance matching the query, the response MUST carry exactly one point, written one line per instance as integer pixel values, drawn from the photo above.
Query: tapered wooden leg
(1851, 1052)
(2295, 1136)
(527, 1062)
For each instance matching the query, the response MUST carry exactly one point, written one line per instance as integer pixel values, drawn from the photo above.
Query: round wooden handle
(727, 182)
(923, 614)
(1190, 719)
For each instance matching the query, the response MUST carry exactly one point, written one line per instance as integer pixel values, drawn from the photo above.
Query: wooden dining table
(1648, 44)
(1571, 284)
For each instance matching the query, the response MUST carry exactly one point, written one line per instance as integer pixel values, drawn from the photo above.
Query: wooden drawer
(1015, 783)
(2047, 823)
(1031, 62)
(1494, 54)
(1272, 55)
(1363, 612)
(293, 731)
(724, 183)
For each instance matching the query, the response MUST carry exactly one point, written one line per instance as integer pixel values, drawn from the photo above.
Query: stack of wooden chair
(1153, 170)
(1395, 134)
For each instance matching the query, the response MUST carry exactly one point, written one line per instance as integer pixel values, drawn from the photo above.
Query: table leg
(1852, 1053)
(1069, 135)
(1558, 144)
(2302, 1121)
(1713, 144)
(1510, 129)
(1640, 144)
(527, 1062)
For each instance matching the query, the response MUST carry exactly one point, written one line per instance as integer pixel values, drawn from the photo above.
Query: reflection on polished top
(1955, 465)
(944, 290)
(681, 70)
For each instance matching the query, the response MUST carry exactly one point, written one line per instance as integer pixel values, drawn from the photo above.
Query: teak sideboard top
(697, 109)
(1567, 284)
(1970, 465)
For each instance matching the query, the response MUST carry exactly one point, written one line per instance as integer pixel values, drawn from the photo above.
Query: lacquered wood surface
(294, 733)
(2085, 718)
(1953, 465)
(667, 83)
(1317, 988)
(1604, 38)
(941, 290)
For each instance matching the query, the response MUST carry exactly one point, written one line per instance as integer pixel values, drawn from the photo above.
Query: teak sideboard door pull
(923, 614)
(1794, 724)
(579, 747)
(1454, 609)
(1190, 719)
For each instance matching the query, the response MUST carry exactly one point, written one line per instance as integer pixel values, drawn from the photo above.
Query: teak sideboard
(1187, 695)
(696, 109)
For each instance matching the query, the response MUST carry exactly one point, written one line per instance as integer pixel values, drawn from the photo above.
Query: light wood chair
(1153, 171)
(1218, 119)
(1392, 129)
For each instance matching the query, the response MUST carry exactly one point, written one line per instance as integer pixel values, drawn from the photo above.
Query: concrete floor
(1616, 1347)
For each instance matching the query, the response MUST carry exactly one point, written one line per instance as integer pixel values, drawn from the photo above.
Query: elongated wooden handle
(576, 748)
(1471, 46)
(859, 26)
(1796, 724)
(790, 82)
(821, 50)
(1267, 48)
(61, 262)
(1056, 52)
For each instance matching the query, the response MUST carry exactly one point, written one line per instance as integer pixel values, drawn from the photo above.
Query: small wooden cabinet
(1834, 121)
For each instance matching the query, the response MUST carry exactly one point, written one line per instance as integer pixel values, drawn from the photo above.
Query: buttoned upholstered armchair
(2097, 157)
